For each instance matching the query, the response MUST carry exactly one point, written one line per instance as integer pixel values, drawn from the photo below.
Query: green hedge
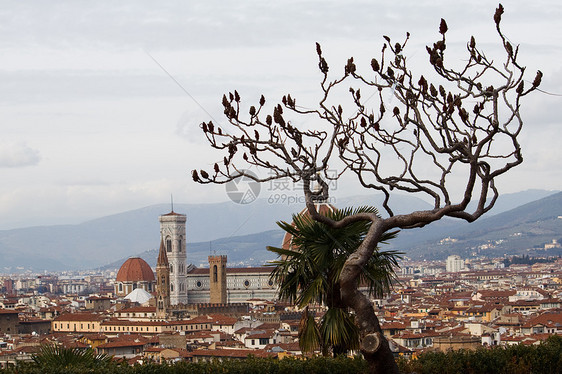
(545, 358)
(317, 365)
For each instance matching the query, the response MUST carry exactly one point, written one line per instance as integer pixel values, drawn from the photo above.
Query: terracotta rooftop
(138, 309)
(549, 319)
(122, 343)
(219, 319)
(172, 213)
(80, 317)
(8, 311)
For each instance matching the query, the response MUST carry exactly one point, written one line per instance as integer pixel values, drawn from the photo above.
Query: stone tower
(172, 234)
(217, 279)
(162, 283)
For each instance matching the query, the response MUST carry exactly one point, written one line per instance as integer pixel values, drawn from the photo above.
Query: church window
(168, 244)
(198, 284)
(171, 269)
(120, 287)
(135, 286)
(171, 287)
(180, 248)
(246, 283)
(215, 273)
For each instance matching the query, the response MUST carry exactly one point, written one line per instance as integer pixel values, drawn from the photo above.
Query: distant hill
(522, 230)
(510, 201)
(241, 250)
(104, 240)
(240, 231)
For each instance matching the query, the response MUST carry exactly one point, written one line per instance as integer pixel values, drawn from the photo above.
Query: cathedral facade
(179, 284)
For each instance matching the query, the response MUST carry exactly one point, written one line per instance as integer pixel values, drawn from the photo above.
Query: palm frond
(51, 355)
(309, 335)
(338, 328)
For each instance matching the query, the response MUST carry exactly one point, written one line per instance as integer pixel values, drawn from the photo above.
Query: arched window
(120, 287)
(180, 248)
(168, 244)
(215, 273)
(171, 287)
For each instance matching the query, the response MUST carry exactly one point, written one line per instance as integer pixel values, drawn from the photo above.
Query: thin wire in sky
(179, 85)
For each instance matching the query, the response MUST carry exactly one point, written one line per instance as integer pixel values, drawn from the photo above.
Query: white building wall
(454, 264)
(241, 287)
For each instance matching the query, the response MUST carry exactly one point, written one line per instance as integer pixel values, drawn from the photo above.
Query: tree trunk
(382, 360)
(374, 346)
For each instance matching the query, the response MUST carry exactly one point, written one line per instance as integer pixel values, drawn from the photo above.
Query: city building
(454, 264)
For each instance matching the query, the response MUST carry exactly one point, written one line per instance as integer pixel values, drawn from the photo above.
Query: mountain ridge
(98, 242)
(518, 231)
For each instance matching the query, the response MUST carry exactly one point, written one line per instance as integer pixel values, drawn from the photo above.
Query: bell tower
(217, 279)
(162, 283)
(172, 235)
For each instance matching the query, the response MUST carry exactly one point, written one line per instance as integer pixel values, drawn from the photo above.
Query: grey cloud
(213, 24)
(18, 155)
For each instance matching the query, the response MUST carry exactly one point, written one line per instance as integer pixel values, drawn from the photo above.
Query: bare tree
(465, 125)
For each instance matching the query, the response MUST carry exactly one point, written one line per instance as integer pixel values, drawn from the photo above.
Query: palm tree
(308, 272)
(57, 357)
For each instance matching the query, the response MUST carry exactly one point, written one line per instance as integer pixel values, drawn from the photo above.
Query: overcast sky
(91, 125)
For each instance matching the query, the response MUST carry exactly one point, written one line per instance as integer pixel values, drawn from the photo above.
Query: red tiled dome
(135, 269)
(322, 208)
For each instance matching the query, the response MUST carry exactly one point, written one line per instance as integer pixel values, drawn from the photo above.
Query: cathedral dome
(135, 269)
